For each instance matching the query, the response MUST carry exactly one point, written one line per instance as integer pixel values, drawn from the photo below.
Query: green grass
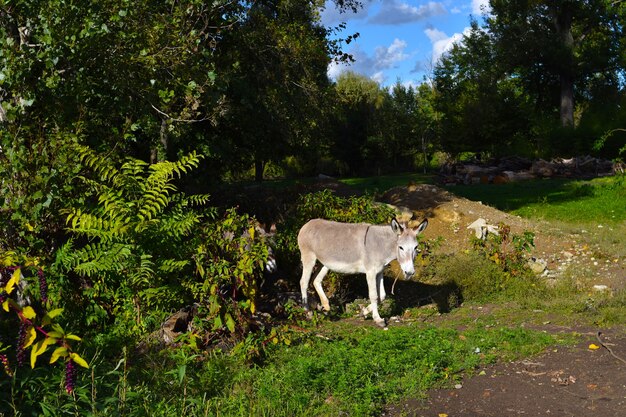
(356, 370)
(600, 200)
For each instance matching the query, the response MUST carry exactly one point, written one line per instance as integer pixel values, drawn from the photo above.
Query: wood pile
(513, 169)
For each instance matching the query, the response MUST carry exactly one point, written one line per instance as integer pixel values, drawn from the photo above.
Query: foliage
(35, 325)
(37, 183)
(470, 86)
(130, 245)
(229, 260)
(277, 89)
(118, 70)
(555, 97)
(506, 250)
(145, 248)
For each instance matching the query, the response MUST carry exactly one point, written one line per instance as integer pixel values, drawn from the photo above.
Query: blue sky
(401, 39)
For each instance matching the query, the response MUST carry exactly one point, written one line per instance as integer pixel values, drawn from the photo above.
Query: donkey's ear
(420, 228)
(396, 227)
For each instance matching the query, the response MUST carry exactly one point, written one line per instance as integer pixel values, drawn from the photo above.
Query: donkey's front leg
(373, 293)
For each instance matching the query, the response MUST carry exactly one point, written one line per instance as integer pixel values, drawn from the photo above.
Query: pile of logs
(514, 169)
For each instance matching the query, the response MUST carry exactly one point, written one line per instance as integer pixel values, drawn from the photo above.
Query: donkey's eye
(401, 248)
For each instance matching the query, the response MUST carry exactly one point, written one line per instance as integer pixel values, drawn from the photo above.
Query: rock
(600, 288)
(543, 168)
(538, 266)
(482, 229)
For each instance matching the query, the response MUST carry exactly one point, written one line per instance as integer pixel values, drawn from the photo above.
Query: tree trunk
(563, 25)
(159, 151)
(424, 151)
(259, 167)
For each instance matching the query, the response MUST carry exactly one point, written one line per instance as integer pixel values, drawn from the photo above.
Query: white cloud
(379, 77)
(334, 69)
(441, 42)
(388, 57)
(384, 57)
(393, 12)
(480, 6)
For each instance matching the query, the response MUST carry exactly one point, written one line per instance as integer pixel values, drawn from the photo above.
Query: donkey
(351, 248)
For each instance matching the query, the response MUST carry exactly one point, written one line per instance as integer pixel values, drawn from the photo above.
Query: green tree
(275, 62)
(557, 48)
(483, 110)
(427, 120)
(359, 101)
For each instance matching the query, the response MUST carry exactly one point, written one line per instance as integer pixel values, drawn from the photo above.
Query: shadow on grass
(513, 196)
(407, 294)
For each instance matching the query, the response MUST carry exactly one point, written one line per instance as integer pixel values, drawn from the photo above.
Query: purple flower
(70, 376)
(5, 363)
(21, 338)
(43, 286)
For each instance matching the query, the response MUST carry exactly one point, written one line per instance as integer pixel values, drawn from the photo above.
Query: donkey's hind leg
(308, 263)
(317, 283)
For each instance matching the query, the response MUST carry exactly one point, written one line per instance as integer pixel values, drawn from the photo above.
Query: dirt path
(564, 382)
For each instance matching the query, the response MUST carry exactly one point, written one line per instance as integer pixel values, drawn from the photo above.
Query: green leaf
(31, 335)
(15, 279)
(58, 353)
(230, 323)
(47, 319)
(40, 348)
(217, 323)
(182, 370)
(29, 313)
(80, 361)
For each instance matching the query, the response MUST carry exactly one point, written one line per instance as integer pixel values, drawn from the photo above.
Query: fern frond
(102, 258)
(143, 275)
(100, 164)
(179, 224)
(172, 265)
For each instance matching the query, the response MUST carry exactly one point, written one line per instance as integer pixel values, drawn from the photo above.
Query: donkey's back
(334, 244)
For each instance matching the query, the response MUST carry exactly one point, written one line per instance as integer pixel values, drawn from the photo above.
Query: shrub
(141, 249)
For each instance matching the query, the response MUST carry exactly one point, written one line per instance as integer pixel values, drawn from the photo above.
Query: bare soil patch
(563, 382)
(562, 249)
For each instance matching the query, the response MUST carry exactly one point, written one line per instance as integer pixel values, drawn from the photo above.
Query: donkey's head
(407, 244)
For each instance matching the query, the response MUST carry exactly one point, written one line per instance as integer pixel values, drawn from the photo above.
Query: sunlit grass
(600, 200)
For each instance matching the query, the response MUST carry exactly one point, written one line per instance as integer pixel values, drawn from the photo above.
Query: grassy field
(338, 365)
(601, 200)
